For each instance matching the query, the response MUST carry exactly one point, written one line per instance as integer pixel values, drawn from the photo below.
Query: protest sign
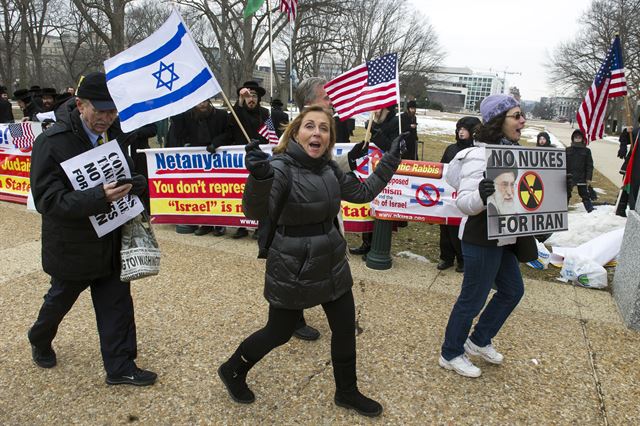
(191, 186)
(418, 192)
(531, 195)
(16, 143)
(103, 164)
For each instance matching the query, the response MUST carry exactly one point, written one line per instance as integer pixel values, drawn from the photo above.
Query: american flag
(290, 7)
(368, 87)
(268, 131)
(609, 83)
(22, 135)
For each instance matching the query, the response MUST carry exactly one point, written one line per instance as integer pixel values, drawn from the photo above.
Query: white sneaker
(488, 353)
(460, 365)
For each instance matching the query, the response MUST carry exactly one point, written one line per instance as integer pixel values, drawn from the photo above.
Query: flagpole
(367, 136)
(271, 65)
(291, 65)
(233, 112)
(398, 96)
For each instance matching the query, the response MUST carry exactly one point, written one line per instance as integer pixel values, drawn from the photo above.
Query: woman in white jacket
(485, 261)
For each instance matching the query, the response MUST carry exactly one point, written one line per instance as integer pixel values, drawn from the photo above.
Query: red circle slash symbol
(424, 197)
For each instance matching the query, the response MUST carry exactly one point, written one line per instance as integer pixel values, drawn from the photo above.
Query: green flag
(252, 7)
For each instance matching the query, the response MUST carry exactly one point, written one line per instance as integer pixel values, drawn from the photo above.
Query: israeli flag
(163, 75)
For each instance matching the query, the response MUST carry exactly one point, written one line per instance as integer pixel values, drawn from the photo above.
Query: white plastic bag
(583, 272)
(542, 262)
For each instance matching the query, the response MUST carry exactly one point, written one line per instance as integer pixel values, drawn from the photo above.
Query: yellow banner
(15, 185)
(195, 207)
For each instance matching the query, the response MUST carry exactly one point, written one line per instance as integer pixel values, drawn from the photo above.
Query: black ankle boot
(233, 374)
(347, 393)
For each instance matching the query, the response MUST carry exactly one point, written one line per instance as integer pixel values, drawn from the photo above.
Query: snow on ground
(585, 226)
(412, 256)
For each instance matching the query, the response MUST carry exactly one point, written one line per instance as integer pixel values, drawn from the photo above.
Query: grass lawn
(423, 239)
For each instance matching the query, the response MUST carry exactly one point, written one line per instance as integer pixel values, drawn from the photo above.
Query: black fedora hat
(22, 95)
(277, 103)
(252, 85)
(49, 91)
(94, 88)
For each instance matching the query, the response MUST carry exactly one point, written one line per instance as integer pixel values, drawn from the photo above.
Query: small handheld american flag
(368, 87)
(609, 83)
(269, 132)
(22, 136)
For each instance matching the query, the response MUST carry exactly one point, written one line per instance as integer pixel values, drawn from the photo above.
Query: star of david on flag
(163, 75)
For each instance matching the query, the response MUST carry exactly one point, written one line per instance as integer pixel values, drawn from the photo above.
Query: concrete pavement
(568, 357)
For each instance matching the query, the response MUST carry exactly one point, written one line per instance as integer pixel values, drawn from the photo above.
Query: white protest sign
(103, 164)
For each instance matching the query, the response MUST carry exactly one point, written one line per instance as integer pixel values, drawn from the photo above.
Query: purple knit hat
(494, 105)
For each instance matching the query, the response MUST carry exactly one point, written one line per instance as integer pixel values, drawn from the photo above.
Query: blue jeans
(482, 267)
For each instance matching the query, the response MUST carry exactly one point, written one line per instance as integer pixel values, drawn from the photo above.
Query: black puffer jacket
(305, 271)
(579, 163)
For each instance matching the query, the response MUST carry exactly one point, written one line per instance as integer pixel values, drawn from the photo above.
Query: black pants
(450, 247)
(583, 192)
(113, 305)
(282, 322)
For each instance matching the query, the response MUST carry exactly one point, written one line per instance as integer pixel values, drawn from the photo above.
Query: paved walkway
(569, 359)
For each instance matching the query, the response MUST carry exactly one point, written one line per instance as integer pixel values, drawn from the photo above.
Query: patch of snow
(412, 256)
(585, 226)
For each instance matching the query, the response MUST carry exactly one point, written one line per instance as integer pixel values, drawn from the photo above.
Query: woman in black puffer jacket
(306, 264)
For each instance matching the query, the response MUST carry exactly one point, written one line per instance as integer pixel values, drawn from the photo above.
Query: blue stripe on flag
(197, 82)
(152, 57)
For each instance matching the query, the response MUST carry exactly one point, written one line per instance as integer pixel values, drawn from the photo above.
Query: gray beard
(503, 206)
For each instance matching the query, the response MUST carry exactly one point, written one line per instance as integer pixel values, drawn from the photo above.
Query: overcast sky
(512, 35)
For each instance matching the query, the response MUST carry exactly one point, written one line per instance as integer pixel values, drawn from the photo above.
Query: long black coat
(6, 113)
(412, 138)
(71, 250)
(200, 129)
(280, 120)
(307, 271)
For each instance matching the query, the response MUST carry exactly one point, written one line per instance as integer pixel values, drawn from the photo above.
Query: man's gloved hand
(569, 183)
(486, 188)
(622, 152)
(257, 161)
(398, 145)
(211, 148)
(139, 185)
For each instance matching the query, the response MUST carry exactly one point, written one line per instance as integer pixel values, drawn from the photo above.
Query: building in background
(562, 108)
(462, 89)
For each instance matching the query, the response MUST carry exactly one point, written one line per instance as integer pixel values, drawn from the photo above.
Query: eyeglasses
(518, 115)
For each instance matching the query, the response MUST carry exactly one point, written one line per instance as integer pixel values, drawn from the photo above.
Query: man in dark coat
(278, 116)
(580, 166)
(201, 126)
(252, 116)
(450, 247)
(410, 124)
(72, 253)
(27, 105)
(48, 99)
(6, 112)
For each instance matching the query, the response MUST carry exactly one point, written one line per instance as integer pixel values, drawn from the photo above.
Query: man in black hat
(280, 118)
(26, 104)
(6, 113)
(48, 98)
(252, 116)
(72, 254)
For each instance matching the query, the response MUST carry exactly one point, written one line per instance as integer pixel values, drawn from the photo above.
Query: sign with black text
(531, 192)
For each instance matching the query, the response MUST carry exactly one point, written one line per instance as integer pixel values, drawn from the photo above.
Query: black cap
(252, 85)
(277, 103)
(22, 95)
(94, 88)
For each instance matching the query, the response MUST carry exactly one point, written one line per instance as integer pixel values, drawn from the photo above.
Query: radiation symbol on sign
(530, 191)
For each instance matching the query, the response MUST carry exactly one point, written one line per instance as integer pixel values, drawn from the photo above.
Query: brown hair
(293, 128)
(491, 132)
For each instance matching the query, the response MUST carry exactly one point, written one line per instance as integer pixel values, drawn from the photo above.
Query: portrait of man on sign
(502, 201)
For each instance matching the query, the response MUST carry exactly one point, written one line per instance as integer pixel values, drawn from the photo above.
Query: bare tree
(95, 12)
(9, 33)
(36, 18)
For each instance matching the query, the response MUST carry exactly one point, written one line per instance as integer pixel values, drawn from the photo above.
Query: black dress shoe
(307, 333)
(137, 378)
(203, 230)
(363, 249)
(240, 233)
(219, 231)
(186, 229)
(460, 267)
(444, 264)
(45, 358)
